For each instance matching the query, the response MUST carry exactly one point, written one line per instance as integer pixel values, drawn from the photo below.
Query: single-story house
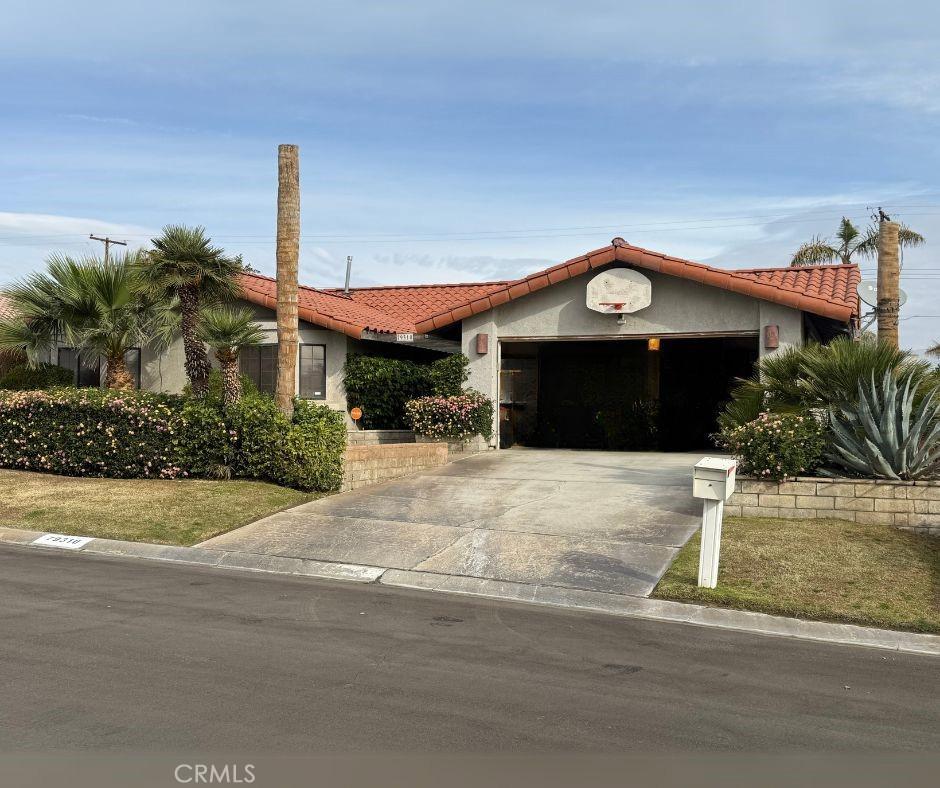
(561, 347)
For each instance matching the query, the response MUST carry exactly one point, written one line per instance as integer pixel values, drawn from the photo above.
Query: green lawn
(180, 512)
(830, 570)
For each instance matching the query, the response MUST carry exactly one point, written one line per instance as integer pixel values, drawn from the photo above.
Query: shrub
(22, 377)
(816, 376)
(306, 454)
(776, 445)
(90, 432)
(382, 386)
(93, 432)
(452, 418)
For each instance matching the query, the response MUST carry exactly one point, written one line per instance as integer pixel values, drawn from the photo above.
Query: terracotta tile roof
(828, 291)
(6, 310)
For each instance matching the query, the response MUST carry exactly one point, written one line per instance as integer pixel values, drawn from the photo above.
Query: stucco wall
(165, 371)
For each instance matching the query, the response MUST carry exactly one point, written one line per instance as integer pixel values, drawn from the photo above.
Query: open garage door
(624, 394)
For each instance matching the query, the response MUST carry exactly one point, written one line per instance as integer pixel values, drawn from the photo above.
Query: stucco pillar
(484, 367)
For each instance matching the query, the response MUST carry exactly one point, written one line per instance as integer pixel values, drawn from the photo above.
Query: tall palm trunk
(288, 252)
(197, 360)
(117, 375)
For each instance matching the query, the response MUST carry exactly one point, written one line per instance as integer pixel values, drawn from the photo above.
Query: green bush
(382, 386)
(306, 454)
(776, 445)
(815, 376)
(452, 418)
(22, 377)
(93, 432)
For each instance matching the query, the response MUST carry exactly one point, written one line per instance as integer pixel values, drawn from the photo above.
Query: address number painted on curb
(63, 541)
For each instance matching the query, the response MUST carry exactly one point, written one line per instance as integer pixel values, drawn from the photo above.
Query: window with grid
(313, 371)
(259, 365)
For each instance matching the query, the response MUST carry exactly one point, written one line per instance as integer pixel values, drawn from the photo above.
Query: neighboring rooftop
(826, 290)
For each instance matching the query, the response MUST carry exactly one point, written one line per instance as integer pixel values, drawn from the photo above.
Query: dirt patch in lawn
(178, 512)
(829, 570)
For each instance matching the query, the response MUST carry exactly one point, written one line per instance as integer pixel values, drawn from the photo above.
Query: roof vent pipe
(348, 273)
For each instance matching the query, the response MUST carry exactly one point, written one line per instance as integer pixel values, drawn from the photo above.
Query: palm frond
(229, 328)
(816, 252)
(907, 239)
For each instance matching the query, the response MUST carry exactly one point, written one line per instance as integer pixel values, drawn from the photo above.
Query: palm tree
(186, 266)
(98, 308)
(288, 252)
(851, 242)
(227, 330)
(934, 350)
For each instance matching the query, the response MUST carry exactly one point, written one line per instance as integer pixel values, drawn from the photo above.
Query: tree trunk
(197, 360)
(117, 375)
(231, 380)
(288, 253)
(889, 276)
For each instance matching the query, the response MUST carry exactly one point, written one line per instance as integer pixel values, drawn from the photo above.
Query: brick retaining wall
(913, 506)
(377, 437)
(373, 464)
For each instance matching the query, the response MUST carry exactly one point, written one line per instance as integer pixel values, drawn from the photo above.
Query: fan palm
(227, 330)
(185, 265)
(851, 242)
(96, 307)
(816, 376)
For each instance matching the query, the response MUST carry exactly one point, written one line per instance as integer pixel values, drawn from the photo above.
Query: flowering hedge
(92, 432)
(776, 445)
(455, 418)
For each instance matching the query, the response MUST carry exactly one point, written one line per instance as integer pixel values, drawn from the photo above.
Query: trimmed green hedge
(21, 377)
(94, 432)
(382, 386)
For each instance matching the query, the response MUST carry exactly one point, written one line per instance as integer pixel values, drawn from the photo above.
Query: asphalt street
(114, 655)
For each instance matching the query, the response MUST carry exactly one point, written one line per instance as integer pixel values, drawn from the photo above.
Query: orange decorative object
(355, 414)
(652, 343)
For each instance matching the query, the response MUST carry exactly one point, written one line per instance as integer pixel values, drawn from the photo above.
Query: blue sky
(463, 141)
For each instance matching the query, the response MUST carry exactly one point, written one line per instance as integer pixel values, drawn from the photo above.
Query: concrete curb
(552, 596)
(664, 610)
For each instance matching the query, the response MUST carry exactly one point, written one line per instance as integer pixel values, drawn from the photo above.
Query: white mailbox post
(713, 482)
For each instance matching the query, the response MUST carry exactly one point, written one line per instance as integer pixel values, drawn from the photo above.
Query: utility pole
(107, 245)
(889, 280)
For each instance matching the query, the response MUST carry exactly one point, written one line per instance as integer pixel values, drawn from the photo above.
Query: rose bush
(455, 418)
(776, 445)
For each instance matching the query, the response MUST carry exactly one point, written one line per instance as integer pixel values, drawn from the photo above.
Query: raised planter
(913, 506)
(372, 464)
(379, 437)
(475, 445)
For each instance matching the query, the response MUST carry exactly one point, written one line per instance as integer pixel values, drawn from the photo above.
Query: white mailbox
(713, 478)
(713, 482)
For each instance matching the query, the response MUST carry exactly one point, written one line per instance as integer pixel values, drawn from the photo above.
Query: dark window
(132, 359)
(259, 365)
(86, 369)
(313, 371)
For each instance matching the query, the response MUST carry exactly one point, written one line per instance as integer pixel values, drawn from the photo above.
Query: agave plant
(887, 433)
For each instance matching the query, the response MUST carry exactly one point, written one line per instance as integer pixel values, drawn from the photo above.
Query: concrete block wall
(372, 464)
(379, 437)
(913, 506)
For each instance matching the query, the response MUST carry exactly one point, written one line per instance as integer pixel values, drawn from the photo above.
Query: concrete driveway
(595, 521)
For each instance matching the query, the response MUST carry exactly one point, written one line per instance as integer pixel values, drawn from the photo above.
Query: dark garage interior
(631, 394)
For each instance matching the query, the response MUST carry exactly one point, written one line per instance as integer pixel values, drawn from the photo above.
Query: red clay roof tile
(824, 290)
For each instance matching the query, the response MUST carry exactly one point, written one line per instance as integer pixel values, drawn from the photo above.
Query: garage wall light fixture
(652, 344)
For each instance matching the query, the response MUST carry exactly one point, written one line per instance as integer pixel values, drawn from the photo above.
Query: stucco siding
(678, 307)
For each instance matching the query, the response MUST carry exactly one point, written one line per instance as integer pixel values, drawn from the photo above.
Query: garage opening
(622, 395)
